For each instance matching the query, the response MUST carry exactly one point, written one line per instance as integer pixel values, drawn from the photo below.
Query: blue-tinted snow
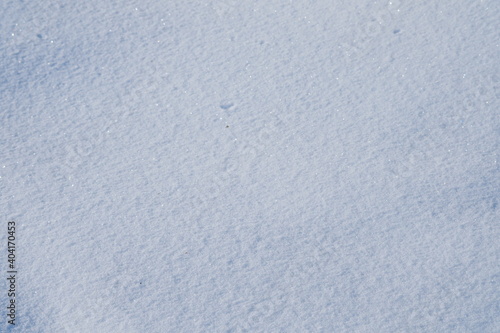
(233, 166)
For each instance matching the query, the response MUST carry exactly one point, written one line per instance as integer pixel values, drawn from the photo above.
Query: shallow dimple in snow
(226, 105)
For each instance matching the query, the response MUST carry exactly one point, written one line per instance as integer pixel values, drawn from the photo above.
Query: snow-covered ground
(251, 166)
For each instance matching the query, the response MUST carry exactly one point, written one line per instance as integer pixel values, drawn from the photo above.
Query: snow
(244, 166)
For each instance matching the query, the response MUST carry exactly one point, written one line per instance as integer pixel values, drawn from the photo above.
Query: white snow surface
(251, 166)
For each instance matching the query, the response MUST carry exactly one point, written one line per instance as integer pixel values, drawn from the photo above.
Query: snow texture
(251, 166)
